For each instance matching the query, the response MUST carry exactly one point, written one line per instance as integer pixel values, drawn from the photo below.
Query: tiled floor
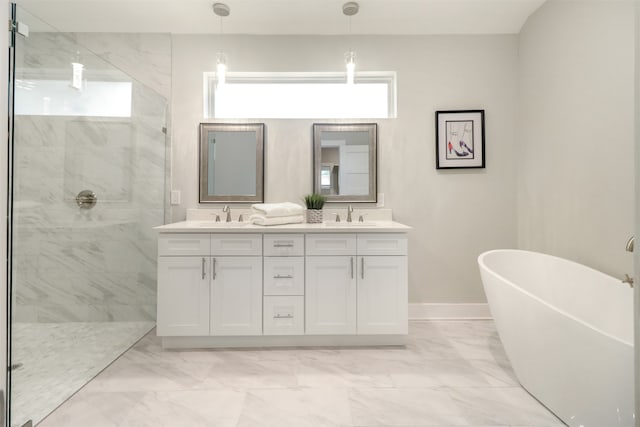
(58, 358)
(451, 373)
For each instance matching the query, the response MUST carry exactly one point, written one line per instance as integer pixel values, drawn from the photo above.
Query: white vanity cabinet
(254, 286)
(209, 284)
(362, 292)
(183, 284)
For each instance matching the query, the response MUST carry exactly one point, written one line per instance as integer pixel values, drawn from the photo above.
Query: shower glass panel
(89, 148)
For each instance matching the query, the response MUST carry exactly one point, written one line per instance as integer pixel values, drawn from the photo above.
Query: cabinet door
(330, 295)
(382, 295)
(236, 296)
(183, 296)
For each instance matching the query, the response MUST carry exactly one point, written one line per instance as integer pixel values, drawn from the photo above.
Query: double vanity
(236, 284)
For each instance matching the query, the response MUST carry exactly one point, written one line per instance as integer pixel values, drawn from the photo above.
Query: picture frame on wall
(460, 139)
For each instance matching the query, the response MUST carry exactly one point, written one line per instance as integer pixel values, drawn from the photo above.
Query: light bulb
(221, 68)
(350, 61)
(76, 76)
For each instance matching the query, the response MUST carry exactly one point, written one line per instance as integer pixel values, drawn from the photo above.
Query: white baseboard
(434, 311)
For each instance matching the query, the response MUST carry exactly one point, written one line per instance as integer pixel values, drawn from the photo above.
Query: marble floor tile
(404, 407)
(296, 407)
(124, 376)
(450, 374)
(57, 359)
(507, 406)
(94, 409)
(192, 408)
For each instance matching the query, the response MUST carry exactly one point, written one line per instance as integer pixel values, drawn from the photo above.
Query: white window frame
(386, 77)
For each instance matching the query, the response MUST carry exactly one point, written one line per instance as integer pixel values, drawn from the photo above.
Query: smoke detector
(222, 9)
(350, 8)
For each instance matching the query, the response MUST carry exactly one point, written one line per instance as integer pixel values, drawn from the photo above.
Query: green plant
(314, 200)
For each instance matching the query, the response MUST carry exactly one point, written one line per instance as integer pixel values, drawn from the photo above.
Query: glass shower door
(88, 185)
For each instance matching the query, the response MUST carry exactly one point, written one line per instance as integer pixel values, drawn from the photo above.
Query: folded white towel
(279, 220)
(272, 210)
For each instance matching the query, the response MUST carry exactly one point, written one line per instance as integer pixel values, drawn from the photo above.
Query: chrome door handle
(203, 272)
(362, 268)
(352, 267)
(214, 269)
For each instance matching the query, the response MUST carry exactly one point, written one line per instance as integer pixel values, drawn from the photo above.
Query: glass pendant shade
(350, 61)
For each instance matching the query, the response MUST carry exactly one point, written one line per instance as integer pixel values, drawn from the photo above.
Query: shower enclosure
(87, 184)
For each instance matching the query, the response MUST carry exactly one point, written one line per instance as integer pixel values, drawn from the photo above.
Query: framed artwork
(460, 139)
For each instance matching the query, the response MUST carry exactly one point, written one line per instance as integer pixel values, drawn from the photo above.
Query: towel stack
(276, 213)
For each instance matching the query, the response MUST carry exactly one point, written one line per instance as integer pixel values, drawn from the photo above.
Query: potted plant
(314, 202)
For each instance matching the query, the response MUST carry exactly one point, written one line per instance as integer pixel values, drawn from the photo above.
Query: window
(35, 97)
(300, 95)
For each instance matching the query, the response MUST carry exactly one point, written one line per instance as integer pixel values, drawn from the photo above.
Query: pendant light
(349, 9)
(77, 73)
(222, 10)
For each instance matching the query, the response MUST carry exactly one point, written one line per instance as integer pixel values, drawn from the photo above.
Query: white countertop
(245, 227)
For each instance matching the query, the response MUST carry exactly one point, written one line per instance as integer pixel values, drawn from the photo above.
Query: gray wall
(455, 215)
(575, 133)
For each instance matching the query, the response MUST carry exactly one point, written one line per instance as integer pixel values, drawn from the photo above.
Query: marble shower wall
(71, 264)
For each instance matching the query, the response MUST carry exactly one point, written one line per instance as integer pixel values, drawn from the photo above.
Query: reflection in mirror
(345, 161)
(231, 162)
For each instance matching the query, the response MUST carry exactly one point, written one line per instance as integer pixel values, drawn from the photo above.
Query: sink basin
(221, 224)
(351, 224)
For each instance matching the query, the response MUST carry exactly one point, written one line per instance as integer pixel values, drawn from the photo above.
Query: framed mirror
(231, 163)
(345, 161)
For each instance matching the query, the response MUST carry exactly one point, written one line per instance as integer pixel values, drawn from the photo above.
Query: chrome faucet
(629, 246)
(349, 211)
(228, 212)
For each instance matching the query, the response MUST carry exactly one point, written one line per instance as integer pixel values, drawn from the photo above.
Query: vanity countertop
(245, 227)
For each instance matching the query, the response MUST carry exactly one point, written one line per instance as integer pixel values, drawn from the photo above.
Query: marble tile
(250, 374)
(124, 376)
(324, 386)
(296, 407)
(502, 406)
(193, 408)
(95, 410)
(58, 359)
(407, 407)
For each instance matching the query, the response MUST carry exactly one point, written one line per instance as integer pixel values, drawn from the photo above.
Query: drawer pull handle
(351, 267)
(278, 276)
(283, 245)
(286, 316)
(362, 267)
(214, 269)
(203, 271)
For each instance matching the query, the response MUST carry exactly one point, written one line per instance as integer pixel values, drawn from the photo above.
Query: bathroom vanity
(236, 284)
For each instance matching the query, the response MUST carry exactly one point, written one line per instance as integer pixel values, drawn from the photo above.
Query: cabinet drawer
(284, 276)
(283, 315)
(236, 244)
(331, 244)
(284, 245)
(382, 244)
(174, 244)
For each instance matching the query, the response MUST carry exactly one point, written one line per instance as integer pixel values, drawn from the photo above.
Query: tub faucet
(629, 246)
(349, 211)
(228, 212)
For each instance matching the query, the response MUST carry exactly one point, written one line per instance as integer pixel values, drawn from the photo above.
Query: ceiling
(285, 16)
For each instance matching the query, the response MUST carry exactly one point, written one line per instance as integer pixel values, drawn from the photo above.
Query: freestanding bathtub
(568, 332)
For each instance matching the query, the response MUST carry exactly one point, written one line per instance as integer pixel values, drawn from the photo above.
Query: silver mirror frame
(258, 128)
(372, 130)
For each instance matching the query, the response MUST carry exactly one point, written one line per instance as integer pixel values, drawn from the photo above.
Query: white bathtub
(568, 332)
